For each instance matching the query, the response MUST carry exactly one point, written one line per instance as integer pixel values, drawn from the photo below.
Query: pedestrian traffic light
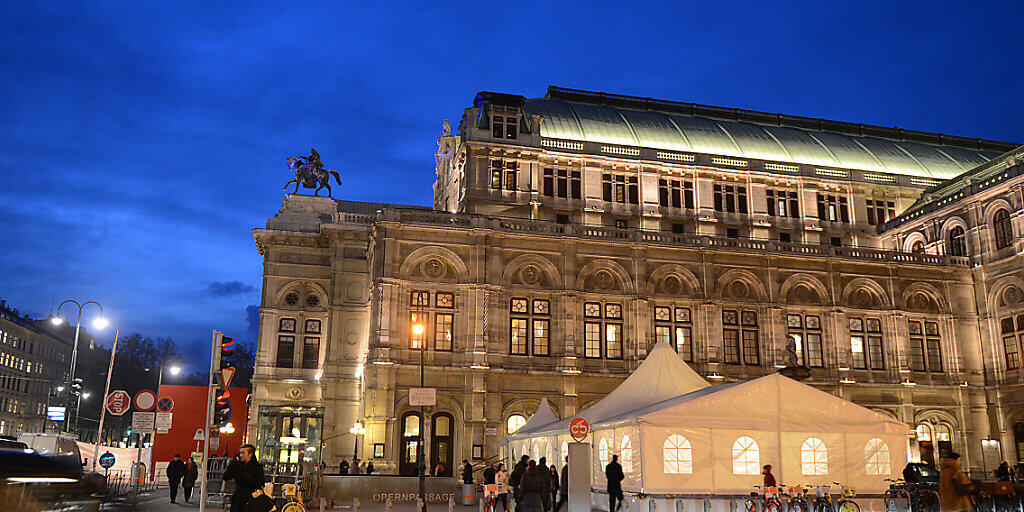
(227, 349)
(128, 431)
(76, 386)
(222, 409)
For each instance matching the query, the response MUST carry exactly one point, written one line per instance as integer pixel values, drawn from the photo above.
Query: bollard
(387, 505)
(355, 504)
(322, 500)
(451, 503)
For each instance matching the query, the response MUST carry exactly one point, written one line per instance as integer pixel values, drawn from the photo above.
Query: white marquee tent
(675, 434)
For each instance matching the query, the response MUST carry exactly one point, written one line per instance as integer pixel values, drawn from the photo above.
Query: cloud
(228, 288)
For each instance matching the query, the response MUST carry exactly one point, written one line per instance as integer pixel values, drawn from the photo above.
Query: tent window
(746, 457)
(627, 454)
(602, 452)
(876, 452)
(677, 455)
(673, 326)
(515, 422)
(814, 457)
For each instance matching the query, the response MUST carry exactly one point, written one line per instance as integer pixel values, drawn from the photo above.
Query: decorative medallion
(312, 300)
(530, 274)
(433, 267)
(292, 298)
(1011, 296)
(738, 289)
(603, 280)
(672, 285)
(294, 393)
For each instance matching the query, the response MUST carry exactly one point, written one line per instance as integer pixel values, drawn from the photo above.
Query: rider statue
(310, 173)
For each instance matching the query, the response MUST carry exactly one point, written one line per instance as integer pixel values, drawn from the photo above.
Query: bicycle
(293, 497)
(897, 498)
(796, 503)
(846, 495)
(822, 500)
(771, 500)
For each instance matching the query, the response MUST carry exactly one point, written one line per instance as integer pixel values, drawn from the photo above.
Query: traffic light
(128, 431)
(222, 409)
(227, 349)
(76, 386)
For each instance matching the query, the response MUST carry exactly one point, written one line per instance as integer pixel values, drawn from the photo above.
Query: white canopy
(544, 415)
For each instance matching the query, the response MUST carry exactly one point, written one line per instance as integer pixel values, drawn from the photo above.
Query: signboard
(491, 431)
(165, 404)
(107, 460)
(143, 422)
(579, 428)
(200, 436)
(118, 402)
(55, 413)
(215, 443)
(145, 400)
(422, 397)
(226, 375)
(163, 420)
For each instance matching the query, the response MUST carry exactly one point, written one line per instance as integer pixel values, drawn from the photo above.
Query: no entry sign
(145, 400)
(118, 402)
(579, 428)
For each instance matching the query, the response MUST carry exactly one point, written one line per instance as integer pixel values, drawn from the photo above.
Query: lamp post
(175, 370)
(357, 430)
(99, 323)
(78, 411)
(421, 469)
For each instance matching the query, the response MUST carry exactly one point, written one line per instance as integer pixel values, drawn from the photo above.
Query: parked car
(33, 482)
(57, 446)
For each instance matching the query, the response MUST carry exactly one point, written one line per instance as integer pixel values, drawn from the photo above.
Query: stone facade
(550, 265)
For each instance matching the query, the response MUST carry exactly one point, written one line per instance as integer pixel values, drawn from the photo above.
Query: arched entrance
(409, 428)
(925, 443)
(1018, 440)
(441, 444)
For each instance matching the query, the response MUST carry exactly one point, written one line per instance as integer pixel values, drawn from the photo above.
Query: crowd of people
(536, 486)
(356, 468)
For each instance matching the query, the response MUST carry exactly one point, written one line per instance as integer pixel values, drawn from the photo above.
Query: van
(56, 446)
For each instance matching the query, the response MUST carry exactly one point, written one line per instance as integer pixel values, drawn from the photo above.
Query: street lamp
(78, 410)
(357, 430)
(100, 322)
(420, 342)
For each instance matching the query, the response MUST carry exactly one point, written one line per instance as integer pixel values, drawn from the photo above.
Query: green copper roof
(641, 122)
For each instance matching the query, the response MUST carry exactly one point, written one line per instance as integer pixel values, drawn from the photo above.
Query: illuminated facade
(571, 232)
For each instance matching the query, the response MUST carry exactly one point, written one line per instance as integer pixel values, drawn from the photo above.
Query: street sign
(143, 422)
(215, 443)
(145, 400)
(165, 404)
(422, 397)
(163, 421)
(225, 376)
(107, 460)
(118, 402)
(579, 428)
(199, 435)
(54, 413)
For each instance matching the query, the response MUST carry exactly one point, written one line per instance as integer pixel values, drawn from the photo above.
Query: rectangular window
(443, 331)
(730, 198)
(740, 337)
(530, 327)
(285, 351)
(613, 341)
(504, 174)
(833, 208)
(1012, 339)
(603, 330)
(541, 333)
(519, 336)
(619, 188)
(933, 346)
(437, 321)
(925, 346)
(562, 183)
(675, 193)
(621, 223)
(418, 341)
(592, 339)
(783, 203)
(504, 127)
(672, 325)
(311, 352)
(805, 332)
(880, 211)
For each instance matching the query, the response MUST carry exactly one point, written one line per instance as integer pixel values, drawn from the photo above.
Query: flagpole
(103, 410)
(209, 407)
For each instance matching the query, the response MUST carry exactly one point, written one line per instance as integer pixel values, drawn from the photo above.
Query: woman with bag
(954, 486)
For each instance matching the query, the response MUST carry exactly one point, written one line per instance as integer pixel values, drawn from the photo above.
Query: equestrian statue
(310, 173)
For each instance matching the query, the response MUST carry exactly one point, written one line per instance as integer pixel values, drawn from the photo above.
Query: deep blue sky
(140, 142)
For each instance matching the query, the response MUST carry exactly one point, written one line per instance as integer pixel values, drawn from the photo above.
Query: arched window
(957, 241)
(876, 455)
(917, 247)
(515, 422)
(535, 452)
(814, 457)
(746, 457)
(677, 455)
(602, 452)
(565, 452)
(1003, 230)
(924, 432)
(626, 451)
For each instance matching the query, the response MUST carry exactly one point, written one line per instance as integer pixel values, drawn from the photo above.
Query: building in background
(569, 233)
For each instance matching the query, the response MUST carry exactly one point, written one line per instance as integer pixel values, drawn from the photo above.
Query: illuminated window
(673, 326)
(805, 332)
(515, 422)
(783, 203)
(866, 343)
(746, 457)
(626, 452)
(917, 247)
(876, 453)
(619, 188)
(530, 327)
(438, 321)
(677, 455)
(504, 174)
(833, 208)
(602, 452)
(602, 330)
(814, 457)
(1002, 228)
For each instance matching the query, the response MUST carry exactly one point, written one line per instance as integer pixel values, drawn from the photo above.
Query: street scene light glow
(417, 329)
(175, 370)
(56, 320)
(100, 322)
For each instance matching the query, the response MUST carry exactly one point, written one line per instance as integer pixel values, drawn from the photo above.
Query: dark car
(32, 482)
(921, 474)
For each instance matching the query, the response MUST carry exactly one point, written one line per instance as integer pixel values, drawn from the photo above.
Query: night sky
(140, 142)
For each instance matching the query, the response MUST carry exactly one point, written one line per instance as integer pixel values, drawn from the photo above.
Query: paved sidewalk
(160, 501)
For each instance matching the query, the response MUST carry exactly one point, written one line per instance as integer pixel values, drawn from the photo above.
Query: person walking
(175, 472)
(563, 488)
(553, 478)
(189, 480)
(467, 472)
(532, 488)
(501, 478)
(1003, 472)
(343, 468)
(489, 474)
(247, 473)
(542, 466)
(516, 478)
(613, 472)
(954, 486)
(369, 468)
(769, 478)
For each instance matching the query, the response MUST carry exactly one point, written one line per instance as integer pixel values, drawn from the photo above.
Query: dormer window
(504, 126)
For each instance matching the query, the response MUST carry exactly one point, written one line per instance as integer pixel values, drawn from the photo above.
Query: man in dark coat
(563, 487)
(613, 472)
(467, 472)
(532, 488)
(191, 475)
(247, 473)
(542, 466)
(343, 468)
(516, 476)
(175, 472)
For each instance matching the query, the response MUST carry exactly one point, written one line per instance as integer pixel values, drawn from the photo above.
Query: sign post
(106, 403)
(579, 467)
(209, 411)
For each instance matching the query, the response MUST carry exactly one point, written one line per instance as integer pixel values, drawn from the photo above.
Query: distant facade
(570, 233)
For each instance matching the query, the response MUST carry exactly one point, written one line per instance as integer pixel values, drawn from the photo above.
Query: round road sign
(165, 404)
(118, 402)
(579, 428)
(107, 460)
(145, 400)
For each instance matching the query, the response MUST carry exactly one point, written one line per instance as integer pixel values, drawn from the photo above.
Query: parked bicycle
(823, 499)
(797, 502)
(770, 496)
(846, 495)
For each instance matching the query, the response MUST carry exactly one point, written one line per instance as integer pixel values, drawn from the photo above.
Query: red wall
(189, 410)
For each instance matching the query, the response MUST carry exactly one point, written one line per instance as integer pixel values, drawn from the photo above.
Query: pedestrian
(532, 488)
(613, 472)
(343, 468)
(954, 486)
(563, 489)
(769, 478)
(1003, 472)
(516, 477)
(501, 478)
(369, 468)
(553, 477)
(175, 472)
(489, 474)
(191, 475)
(247, 473)
(356, 469)
(439, 469)
(467, 472)
(542, 466)
(362, 468)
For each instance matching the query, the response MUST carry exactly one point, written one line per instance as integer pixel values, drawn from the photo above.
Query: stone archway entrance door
(409, 429)
(441, 445)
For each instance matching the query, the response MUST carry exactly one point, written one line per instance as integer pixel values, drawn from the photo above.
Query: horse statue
(310, 173)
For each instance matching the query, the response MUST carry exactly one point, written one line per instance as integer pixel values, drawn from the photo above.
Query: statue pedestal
(304, 213)
(797, 373)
